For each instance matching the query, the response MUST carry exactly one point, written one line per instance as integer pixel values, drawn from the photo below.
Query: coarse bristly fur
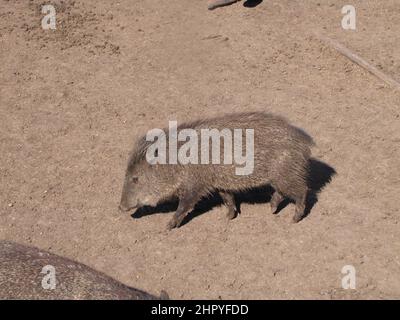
(281, 155)
(23, 272)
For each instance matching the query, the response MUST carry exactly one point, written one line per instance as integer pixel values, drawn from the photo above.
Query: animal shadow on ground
(252, 3)
(320, 174)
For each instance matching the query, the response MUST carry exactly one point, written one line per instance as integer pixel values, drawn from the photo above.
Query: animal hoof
(297, 218)
(232, 214)
(171, 224)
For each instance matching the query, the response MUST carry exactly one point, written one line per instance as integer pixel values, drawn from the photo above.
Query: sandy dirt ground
(73, 100)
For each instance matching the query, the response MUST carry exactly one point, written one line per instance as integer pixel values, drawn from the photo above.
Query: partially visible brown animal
(21, 278)
(213, 4)
(281, 159)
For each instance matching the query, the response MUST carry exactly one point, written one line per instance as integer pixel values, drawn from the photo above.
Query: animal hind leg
(229, 201)
(300, 202)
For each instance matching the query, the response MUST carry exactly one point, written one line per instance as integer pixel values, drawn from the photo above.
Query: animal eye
(134, 179)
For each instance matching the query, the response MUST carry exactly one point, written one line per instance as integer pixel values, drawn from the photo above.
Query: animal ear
(156, 153)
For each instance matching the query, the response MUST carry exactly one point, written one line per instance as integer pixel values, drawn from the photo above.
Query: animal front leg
(186, 204)
(229, 201)
(275, 201)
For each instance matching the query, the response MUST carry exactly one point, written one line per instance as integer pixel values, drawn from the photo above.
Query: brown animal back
(21, 277)
(271, 131)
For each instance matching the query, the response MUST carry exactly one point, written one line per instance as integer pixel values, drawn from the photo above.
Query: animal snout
(121, 207)
(126, 207)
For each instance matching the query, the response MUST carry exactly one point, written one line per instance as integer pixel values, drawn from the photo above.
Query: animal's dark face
(137, 190)
(128, 198)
